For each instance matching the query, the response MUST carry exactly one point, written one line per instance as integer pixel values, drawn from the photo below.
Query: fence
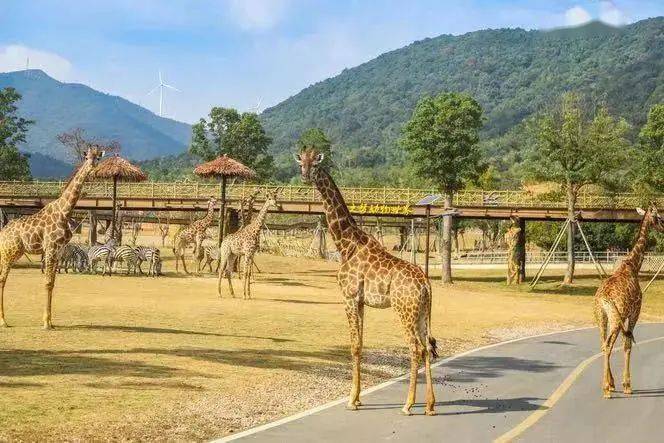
(388, 196)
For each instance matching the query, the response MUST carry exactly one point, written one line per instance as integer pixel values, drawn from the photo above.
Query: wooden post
(426, 247)
(413, 244)
(115, 196)
(222, 210)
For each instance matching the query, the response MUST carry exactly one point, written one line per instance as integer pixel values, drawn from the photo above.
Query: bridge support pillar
(522, 250)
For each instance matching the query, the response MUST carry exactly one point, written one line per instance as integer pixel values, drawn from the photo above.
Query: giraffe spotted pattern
(618, 302)
(370, 276)
(45, 232)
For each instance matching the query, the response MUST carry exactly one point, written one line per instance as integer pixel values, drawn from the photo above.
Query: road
(544, 388)
(538, 389)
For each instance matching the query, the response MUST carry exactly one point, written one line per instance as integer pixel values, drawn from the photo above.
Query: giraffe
(618, 302)
(369, 275)
(195, 233)
(244, 243)
(247, 208)
(45, 232)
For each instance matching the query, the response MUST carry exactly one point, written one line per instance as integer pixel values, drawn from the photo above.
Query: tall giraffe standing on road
(618, 302)
(370, 275)
(45, 232)
(243, 243)
(194, 233)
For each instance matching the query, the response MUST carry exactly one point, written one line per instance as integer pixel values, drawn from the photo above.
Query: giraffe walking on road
(371, 276)
(618, 302)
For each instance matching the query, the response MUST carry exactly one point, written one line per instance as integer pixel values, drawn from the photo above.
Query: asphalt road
(539, 389)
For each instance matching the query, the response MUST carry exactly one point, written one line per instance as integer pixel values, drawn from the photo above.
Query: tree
(442, 139)
(316, 138)
(576, 145)
(13, 164)
(75, 143)
(648, 172)
(240, 136)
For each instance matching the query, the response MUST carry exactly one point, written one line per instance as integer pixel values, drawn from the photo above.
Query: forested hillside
(511, 72)
(57, 107)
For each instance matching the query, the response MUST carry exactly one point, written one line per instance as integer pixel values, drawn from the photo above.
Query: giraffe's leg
(246, 264)
(353, 312)
(627, 375)
(4, 272)
(49, 283)
(184, 264)
(426, 353)
(609, 384)
(177, 265)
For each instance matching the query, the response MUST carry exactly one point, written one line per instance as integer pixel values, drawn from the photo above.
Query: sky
(251, 54)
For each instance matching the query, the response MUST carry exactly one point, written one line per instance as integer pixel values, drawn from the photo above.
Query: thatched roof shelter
(118, 168)
(224, 166)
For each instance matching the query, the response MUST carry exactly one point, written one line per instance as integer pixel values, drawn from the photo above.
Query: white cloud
(609, 13)
(15, 58)
(257, 15)
(577, 16)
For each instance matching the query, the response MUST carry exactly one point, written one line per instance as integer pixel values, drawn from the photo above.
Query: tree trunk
(93, 228)
(446, 244)
(571, 207)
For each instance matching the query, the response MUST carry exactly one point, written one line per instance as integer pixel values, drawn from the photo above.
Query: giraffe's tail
(624, 325)
(431, 341)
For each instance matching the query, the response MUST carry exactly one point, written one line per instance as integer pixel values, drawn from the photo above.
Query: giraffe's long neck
(340, 222)
(635, 257)
(207, 220)
(66, 202)
(258, 221)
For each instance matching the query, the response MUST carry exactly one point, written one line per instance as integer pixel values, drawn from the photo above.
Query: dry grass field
(137, 358)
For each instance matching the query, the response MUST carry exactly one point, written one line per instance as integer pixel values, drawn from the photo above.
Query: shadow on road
(474, 368)
(484, 406)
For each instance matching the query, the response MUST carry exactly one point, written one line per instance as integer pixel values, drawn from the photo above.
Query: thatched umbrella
(223, 167)
(117, 168)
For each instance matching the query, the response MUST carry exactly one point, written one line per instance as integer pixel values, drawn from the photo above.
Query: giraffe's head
(657, 218)
(93, 154)
(309, 160)
(211, 203)
(271, 197)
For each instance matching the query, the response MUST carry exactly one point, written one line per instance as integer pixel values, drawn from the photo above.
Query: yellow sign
(363, 208)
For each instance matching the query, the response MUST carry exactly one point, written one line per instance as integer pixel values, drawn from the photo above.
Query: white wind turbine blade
(160, 80)
(170, 87)
(153, 90)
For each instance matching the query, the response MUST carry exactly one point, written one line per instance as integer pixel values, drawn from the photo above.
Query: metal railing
(385, 195)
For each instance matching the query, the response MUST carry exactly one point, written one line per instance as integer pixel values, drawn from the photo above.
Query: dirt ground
(138, 358)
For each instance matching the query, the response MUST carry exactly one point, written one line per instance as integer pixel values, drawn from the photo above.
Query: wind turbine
(161, 87)
(256, 109)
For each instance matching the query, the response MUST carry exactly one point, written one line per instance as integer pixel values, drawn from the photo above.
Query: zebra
(70, 256)
(103, 254)
(127, 255)
(75, 257)
(150, 255)
(208, 255)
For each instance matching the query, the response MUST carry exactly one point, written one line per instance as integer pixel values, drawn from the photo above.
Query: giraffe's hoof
(405, 411)
(3, 324)
(351, 407)
(627, 391)
(430, 413)
(607, 394)
(358, 403)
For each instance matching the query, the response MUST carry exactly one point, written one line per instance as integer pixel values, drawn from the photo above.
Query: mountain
(511, 72)
(57, 107)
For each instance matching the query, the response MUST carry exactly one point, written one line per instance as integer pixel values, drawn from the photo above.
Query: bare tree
(76, 143)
